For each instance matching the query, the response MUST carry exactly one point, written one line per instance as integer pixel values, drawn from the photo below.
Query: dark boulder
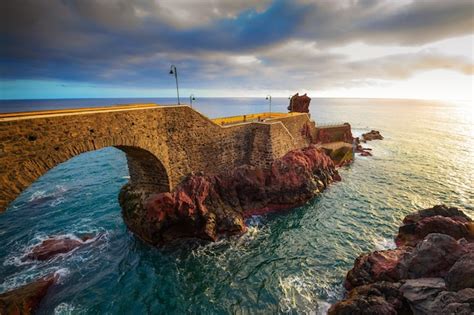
(432, 257)
(52, 247)
(421, 293)
(439, 219)
(461, 274)
(377, 266)
(25, 299)
(438, 210)
(448, 302)
(377, 298)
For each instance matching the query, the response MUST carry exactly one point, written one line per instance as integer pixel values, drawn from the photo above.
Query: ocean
(292, 262)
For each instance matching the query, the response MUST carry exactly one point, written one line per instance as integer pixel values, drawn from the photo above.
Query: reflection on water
(293, 262)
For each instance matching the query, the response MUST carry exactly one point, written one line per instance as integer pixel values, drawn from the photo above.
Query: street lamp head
(172, 69)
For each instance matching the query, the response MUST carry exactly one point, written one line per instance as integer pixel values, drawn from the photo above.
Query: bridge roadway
(163, 144)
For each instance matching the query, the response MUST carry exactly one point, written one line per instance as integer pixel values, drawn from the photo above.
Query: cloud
(224, 44)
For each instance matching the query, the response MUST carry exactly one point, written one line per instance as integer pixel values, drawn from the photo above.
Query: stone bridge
(162, 144)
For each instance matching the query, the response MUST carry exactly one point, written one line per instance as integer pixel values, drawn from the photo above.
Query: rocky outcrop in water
(208, 205)
(54, 246)
(431, 270)
(25, 300)
(372, 135)
(369, 136)
(299, 103)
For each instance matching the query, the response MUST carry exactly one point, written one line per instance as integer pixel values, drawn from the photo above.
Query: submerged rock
(25, 299)
(299, 103)
(52, 247)
(205, 206)
(432, 270)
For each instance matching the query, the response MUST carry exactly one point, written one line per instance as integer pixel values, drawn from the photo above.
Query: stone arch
(147, 171)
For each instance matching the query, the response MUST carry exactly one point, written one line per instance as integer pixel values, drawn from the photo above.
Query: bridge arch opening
(145, 170)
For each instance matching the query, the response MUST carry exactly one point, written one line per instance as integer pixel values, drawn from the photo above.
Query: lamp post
(269, 98)
(174, 71)
(191, 99)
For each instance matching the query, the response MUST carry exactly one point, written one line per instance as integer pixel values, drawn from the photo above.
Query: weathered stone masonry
(162, 144)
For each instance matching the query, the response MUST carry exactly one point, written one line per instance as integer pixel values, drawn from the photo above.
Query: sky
(237, 48)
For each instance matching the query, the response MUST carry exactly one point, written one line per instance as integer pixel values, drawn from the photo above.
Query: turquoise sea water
(292, 262)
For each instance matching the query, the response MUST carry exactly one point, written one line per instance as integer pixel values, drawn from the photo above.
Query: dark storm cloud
(133, 42)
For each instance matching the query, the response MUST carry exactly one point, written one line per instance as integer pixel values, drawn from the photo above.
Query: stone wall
(162, 144)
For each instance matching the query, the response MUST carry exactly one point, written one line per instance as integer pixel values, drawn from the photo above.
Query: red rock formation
(52, 247)
(299, 104)
(205, 206)
(25, 299)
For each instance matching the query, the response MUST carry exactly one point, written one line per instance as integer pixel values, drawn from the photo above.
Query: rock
(377, 298)
(439, 219)
(372, 135)
(52, 247)
(376, 266)
(25, 299)
(461, 274)
(427, 275)
(299, 103)
(421, 293)
(359, 149)
(206, 206)
(461, 302)
(438, 210)
(432, 257)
